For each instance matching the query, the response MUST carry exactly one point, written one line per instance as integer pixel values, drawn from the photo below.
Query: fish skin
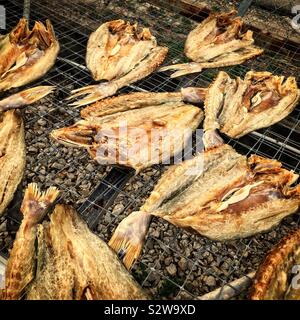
(36, 53)
(76, 264)
(254, 195)
(12, 155)
(21, 264)
(237, 107)
(161, 111)
(209, 46)
(272, 277)
(120, 53)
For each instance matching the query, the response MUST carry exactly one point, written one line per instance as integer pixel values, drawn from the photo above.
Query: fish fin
(93, 93)
(183, 69)
(36, 203)
(129, 237)
(25, 97)
(211, 139)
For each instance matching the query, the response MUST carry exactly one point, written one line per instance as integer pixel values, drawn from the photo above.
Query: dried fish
(21, 264)
(12, 143)
(217, 42)
(134, 130)
(120, 53)
(73, 263)
(237, 107)
(253, 195)
(277, 278)
(26, 55)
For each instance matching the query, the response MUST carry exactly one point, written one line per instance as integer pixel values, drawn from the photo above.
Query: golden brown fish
(120, 53)
(11, 45)
(20, 268)
(237, 107)
(26, 55)
(73, 263)
(135, 130)
(277, 277)
(12, 143)
(216, 42)
(253, 195)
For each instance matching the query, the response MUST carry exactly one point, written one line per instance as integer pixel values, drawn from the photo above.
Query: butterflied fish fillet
(20, 270)
(134, 130)
(75, 264)
(216, 42)
(26, 55)
(120, 53)
(12, 155)
(277, 277)
(12, 143)
(237, 107)
(219, 193)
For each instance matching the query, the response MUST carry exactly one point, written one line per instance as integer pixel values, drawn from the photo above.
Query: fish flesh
(135, 130)
(237, 107)
(27, 55)
(20, 270)
(75, 264)
(216, 42)
(254, 195)
(12, 143)
(120, 53)
(277, 276)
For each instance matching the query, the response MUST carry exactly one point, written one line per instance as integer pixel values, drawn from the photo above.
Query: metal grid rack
(73, 23)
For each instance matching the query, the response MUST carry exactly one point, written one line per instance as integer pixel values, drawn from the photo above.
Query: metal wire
(280, 141)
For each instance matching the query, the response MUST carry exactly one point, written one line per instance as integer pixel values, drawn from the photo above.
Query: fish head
(20, 32)
(79, 135)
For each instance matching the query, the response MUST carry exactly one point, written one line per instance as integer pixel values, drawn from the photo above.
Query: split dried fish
(75, 264)
(216, 42)
(12, 143)
(26, 55)
(120, 53)
(237, 107)
(277, 277)
(20, 268)
(135, 130)
(254, 195)
(71, 262)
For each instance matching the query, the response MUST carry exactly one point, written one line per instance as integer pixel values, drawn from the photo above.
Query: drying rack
(73, 22)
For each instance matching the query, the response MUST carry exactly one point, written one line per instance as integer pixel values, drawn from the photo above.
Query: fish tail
(183, 69)
(25, 97)
(93, 93)
(36, 203)
(129, 237)
(211, 139)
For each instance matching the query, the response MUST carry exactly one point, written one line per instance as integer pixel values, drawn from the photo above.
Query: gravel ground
(175, 264)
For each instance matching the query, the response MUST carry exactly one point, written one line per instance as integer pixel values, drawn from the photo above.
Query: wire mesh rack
(174, 263)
